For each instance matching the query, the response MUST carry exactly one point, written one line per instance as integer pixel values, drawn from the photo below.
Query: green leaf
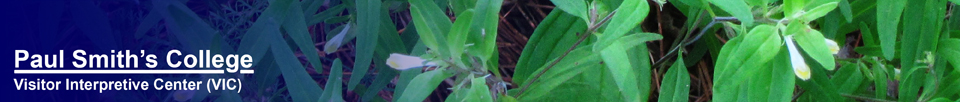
(819, 87)
(760, 3)
(622, 22)
(554, 29)
(691, 3)
(458, 6)
(792, 8)
(888, 18)
(813, 43)
(478, 92)
(724, 91)
(294, 25)
(388, 42)
(782, 78)
(869, 38)
(256, 43)
(506, 98)
(405, 77)
(849, 77)
(334, 84)
(949, 86)
(949, 50)
(573, 64)
(676, 83)
(616, 59)
(574, 7)
(310, 7)
(845, 10)
(484, 32)
(764, 38)
(459, 33)
(869, 50)
(941, 100)
(326, 14)
(880, 83)
(368, 25)
(921, 31)
(184, 24)
(732, 61)
(383, 78)
(813, 3)
(818, 12)
(302, 88)
(425, 84)
(737, 8)
(430, 22)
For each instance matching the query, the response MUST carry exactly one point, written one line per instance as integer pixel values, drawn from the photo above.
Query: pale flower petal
(832, 45)
(800, 67)
(403, 62)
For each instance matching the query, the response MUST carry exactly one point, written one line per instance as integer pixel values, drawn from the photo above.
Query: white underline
(126, 71)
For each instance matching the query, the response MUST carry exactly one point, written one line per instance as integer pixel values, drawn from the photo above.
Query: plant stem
(686, 42)
(589, 31)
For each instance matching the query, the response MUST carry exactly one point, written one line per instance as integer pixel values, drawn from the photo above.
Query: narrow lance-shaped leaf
(845, 10)
(880, 81)
(334, 83)
(615, 59)
(869, 38)
(724, 91)
(294, 25)
(484, 32)
(623, 72)
(621, 23)
(676, 84)
(950, 50)
(478, 92)
(459, 33)
(888, 18)
(424, 85)
(545, 39)
(458, 6)
(368, 21)
(572, 65)
(813, 43)
(302, 87)
(921, 31)
(782, 81)
(764, 39)
(731, 72)
(575, 7)
(791, 8)
(430, 22)
(818, 12)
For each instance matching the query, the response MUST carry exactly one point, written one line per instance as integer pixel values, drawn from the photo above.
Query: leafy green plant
(584, 50)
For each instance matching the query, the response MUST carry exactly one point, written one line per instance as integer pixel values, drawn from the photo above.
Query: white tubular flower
(800, 67)
(403, 62)
(832, 45)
